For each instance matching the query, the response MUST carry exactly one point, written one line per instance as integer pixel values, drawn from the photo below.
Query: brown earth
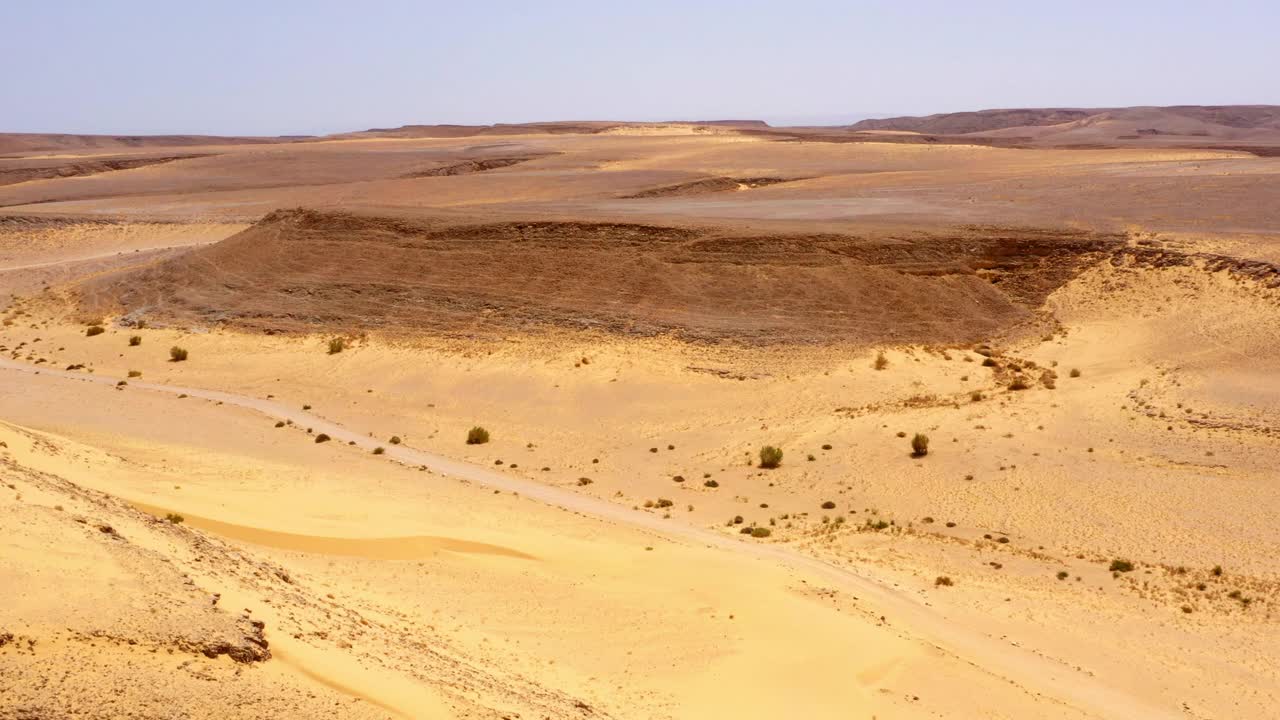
(300, 271)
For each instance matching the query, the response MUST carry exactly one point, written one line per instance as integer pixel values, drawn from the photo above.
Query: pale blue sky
(277, 67)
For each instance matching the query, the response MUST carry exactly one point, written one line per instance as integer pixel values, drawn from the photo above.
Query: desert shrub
(737, 519)
(988, 363)
(975, 396)
(174, 518)
(585, 481)
(135, 373)
(664, 503)
(94, 330)
(826, 447)
(812, 458)
(761, 532)
(746, 531)
(177, 354)
(678, 478)
(770, 456)
(279, 423)
(711, 484)
(1075, 372)
(1217, 571)
(477, 436)
(322, 438)
(828, 505)
(395, 440)
(943, 581)
(920, 445)
(1063, 574)
(1019, 383)
(135, 340)
(877, 524)
(379, 450)
(1118, 565)
(882, 362)
(337, 345)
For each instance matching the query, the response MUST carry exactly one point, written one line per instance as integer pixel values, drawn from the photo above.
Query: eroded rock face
(295, 271)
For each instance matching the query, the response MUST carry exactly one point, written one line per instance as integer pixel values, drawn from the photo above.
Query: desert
(973, 415)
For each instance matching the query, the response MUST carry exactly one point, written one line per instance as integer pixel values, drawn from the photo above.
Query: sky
(272, 67)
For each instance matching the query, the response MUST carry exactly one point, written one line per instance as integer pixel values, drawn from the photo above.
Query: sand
(440, 579)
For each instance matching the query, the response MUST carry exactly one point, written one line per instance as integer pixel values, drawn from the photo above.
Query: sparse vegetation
(770, 456)
(1119, 566)
(585, 481)
(135, 373)
(761, 532)
(174, 518)
(1063, 574)
(135, 340)
(881, 362)
(1019, 383)
(177, 354)
(322, 438)
(379, 450)
(943, 581)
(94, 330)
(711, 484)
(828, 505)
(477, 436)
(337, 345)
(395, 440)
(1075, 372)
(919, 445)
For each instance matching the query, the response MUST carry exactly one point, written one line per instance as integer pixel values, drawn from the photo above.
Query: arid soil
(286, 520)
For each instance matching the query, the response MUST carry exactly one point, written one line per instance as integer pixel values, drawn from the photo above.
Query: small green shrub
(94, 330)
(177, 354)
(477, 436)
(770, 456)
(920, 445)
(135, 340)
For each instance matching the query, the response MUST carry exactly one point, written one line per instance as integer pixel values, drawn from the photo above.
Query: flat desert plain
(238, 378)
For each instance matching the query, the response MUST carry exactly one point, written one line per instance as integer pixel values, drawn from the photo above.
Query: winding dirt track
(1034, 673)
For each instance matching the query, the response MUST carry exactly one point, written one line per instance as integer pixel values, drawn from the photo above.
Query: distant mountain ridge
(1239, 117)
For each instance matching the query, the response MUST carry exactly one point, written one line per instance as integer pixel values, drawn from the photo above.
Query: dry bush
(920, 445)
(770, 456)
